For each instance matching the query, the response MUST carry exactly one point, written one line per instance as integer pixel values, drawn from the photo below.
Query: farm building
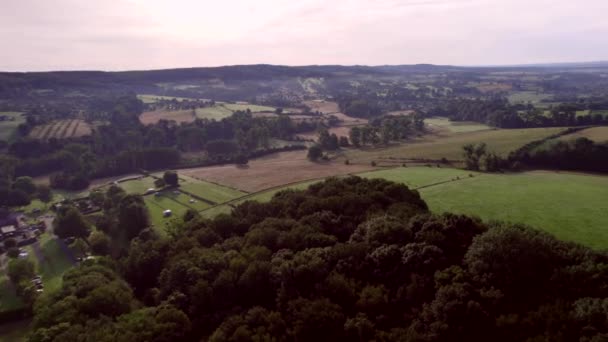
(8, 231)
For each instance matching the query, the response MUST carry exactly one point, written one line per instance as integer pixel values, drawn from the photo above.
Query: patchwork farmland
(61, 129)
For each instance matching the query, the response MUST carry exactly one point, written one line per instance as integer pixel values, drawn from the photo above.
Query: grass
(415, 177)
(210, 191)
(241, 106)
(456, 126)
(528, 96)
(266, 195)
(55, 265)
(571, 206)
(15, 331)
(177, 203)
(217, 112)
(8, 297)
(138, 186)
(500, 141)
(8, 129)
(219, 209)
(597, 134)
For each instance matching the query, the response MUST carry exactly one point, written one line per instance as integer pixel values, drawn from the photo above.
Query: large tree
(70, 222)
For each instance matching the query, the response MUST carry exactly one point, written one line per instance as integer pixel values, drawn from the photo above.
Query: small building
(8, 230)
(167, 213)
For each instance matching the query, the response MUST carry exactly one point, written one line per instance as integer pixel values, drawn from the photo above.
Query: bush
(10, 243)
(159, 183)
(314, 153)
(13, 252)
(100, 243)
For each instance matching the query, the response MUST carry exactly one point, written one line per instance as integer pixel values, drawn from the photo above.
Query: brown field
(61, 129)
(406, 112)
(341, 131)
(322, 106)
(81, 129)
(492, 87)
(349, 120)
(273, 170)
(597, 134)
(264, 115)
(178, 116)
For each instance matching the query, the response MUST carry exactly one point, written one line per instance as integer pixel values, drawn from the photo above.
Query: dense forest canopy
(347, 259)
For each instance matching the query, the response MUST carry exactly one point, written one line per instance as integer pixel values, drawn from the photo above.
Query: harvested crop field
(61, 129)
(349, 120)
(341, 131)
(178, 116)
(273, 170)
(440, 123)
(322, 106)
(406, 112)
(597, 134)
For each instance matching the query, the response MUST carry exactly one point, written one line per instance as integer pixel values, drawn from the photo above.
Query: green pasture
(455, 126)
(571, 206)
(217, 112)
(210, 191)
(8, 129)
(500, 141)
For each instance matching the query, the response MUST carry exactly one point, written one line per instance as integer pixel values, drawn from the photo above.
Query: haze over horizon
(156, 34)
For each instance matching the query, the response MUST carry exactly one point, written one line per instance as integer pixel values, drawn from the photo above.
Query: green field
(8, 297)
(244, 106)
(210, 191)
(147, 98)
(138, 186)
(214, 211)
(55, 263)
(455, 126)
(573, 207)
(501, 141)
(217, 112)
(223, 110)
(177, 203)
(597, 134)
(528, 96)
(8, 129)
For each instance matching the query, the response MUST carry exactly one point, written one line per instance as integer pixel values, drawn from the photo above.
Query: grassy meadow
(500, 141)
(455, 126)
(8, 129)
(571, 206)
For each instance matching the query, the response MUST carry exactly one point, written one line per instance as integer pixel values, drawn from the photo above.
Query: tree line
(386, 129)
(346, 259)
(497, 112)
(579, 154)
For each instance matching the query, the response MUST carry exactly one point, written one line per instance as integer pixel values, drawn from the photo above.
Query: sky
(41, 35)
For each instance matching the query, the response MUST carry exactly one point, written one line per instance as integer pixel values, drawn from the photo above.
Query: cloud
(144, 34)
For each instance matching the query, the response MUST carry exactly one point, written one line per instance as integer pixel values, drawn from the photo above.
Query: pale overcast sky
(154, 34)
